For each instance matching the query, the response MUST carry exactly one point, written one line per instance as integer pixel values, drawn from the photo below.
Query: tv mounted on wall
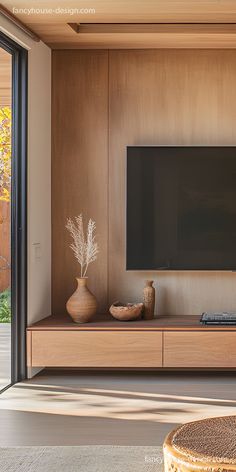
(181, 208)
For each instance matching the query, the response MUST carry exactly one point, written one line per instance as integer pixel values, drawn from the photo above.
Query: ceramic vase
(149, 300)
(82, 305)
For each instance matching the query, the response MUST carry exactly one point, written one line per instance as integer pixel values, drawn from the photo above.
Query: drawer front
(195, 349)
(96, 349)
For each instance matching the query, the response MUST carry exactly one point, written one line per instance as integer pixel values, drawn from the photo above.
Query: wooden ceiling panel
(49, 20)
(126, 10)
(100, 41)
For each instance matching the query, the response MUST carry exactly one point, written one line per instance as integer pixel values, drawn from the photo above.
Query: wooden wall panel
(167, 97)
(155, 97)
(79, 165)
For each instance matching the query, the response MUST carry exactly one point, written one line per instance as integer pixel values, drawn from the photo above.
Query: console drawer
(96, 349)
(198, 349)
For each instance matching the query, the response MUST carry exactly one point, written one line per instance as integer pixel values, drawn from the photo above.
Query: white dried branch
(84, 250)
(77, 233)
(91, 245)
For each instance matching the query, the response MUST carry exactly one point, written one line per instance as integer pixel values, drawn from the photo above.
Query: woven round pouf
(208, 445)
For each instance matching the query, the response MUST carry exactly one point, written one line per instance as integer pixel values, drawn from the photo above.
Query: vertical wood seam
(52, 160)
(108, 178)
(162, 340)
(31, 349)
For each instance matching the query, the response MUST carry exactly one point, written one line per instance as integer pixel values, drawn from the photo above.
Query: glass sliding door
(5, 215)
(13, 211)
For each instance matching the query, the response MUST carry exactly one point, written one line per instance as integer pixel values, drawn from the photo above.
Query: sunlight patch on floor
(113, 404)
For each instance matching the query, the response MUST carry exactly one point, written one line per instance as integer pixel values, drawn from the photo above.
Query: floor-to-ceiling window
(13, 210)
(5, 215)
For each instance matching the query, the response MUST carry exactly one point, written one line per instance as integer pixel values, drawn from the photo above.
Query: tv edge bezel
(165, 269)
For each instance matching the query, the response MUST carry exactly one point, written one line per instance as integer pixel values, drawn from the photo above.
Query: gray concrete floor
(5, 354)
(78, 408)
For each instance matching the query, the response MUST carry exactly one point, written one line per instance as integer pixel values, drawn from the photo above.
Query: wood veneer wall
(103, 101)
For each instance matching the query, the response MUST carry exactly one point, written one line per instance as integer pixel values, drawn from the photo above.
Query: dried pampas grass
(85, 248)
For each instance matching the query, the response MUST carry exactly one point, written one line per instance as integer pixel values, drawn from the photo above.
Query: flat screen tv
(181, 208)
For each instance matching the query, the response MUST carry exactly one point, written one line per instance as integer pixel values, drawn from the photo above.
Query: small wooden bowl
(126, 312)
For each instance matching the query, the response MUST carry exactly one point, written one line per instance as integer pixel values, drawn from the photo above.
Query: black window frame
(18, 206)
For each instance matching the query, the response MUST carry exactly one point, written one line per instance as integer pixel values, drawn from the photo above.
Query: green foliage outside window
(5, 153)
(5, 306)
(5, 183)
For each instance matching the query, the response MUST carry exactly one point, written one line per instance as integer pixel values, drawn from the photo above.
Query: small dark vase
(149, 300)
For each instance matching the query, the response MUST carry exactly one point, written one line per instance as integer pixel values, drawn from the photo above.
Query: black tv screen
(181, 208)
